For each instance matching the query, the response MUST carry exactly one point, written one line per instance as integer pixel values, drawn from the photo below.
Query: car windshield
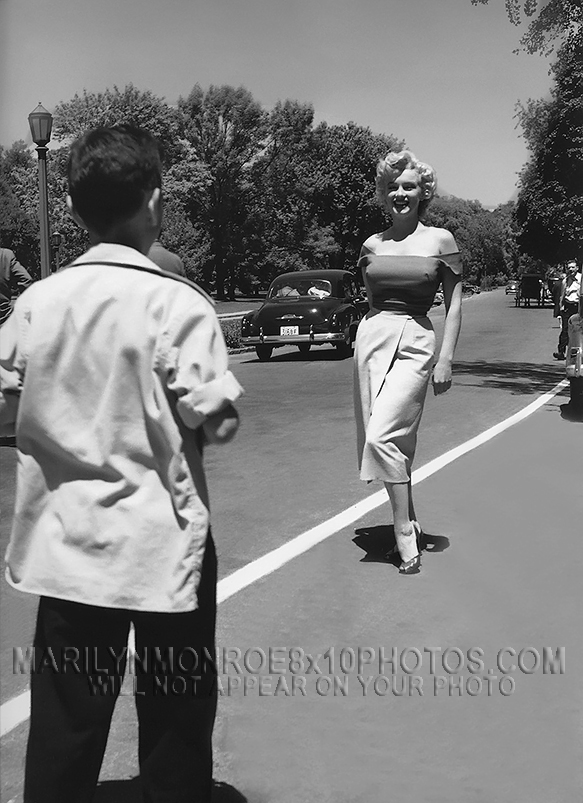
(292, 287)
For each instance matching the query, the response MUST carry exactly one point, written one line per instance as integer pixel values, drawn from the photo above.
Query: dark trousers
(566, 312)
(71, 713)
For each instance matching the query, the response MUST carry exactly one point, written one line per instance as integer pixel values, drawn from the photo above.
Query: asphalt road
(293, 462)
(292, 467)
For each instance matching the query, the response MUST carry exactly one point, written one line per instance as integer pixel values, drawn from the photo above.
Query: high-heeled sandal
(412, 566)
(421, 543)
(394, 550)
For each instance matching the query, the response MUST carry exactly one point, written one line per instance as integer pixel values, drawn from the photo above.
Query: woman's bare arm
(452, 296)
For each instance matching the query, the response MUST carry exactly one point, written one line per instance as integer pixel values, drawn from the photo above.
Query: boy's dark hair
(109, 171)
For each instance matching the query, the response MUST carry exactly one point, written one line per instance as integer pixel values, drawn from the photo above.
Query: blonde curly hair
(393, 165)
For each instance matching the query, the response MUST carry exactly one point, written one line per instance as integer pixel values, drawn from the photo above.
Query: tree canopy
(550, 201)
(225, 128)
(551, 24)
(248, 193)
(113, 106)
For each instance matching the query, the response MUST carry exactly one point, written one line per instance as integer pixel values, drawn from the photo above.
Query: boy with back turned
(114, 375)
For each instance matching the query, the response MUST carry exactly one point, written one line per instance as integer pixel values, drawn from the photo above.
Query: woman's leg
(412, 514)
(399, 494)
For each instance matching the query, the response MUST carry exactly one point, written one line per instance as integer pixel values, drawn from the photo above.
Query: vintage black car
(304, 309)
(531, 288)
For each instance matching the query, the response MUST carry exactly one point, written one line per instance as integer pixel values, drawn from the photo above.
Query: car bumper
(294, 340)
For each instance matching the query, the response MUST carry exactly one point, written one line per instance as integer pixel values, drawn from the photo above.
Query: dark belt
(570, 305)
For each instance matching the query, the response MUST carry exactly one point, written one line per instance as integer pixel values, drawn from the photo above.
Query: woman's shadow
(376, 541)
(130, 792)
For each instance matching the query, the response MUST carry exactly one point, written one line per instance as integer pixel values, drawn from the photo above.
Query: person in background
(556, 289)
(113, 376)
(14, 278)
(567, 305)
(402, 269)
(165, 259)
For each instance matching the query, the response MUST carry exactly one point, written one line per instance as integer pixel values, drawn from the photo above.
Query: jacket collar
(113, 252)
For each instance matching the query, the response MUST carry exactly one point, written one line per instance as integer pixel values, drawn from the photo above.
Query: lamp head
(41, 123)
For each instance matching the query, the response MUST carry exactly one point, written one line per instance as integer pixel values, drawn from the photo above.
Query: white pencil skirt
(393, 359)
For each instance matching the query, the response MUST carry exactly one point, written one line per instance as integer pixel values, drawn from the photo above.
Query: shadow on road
(376, 541)
(569, 412)
(517, 378)
(129, 792)
(118, 792)
(317, 354)
(523, 378)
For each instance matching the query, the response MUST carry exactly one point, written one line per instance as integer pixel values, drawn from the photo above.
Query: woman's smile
(404, 193)
(401, 204)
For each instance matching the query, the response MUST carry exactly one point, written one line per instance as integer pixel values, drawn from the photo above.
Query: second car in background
(304, 309)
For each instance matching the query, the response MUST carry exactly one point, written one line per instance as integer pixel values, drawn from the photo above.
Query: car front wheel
(344, 348)
(264, 352)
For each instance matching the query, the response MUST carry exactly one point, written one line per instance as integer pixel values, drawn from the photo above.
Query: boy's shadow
(376, 541)
(130, 792)
(571, 412)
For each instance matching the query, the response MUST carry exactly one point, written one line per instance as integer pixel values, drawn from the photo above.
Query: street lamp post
(56, 239)
(41, 123)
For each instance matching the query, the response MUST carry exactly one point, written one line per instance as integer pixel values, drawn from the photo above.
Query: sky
(439, 74)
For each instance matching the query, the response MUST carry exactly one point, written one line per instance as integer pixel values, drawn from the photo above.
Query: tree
(75, 240)
(506, 214)
(345, 160)
(225, 128)
(282, 234)
(19, 205)
(482, 236)
(558, 21)
(184, 186)
(550, 201)
(184, 179)
(19, 181)
(114, 106)
(247, 194)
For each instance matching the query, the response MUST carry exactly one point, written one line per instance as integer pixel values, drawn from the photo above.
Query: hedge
(232, 333)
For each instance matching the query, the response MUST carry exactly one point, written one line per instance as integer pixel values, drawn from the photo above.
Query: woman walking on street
(402, 269)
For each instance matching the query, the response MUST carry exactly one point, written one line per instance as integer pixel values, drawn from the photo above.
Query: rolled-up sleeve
(197, 365)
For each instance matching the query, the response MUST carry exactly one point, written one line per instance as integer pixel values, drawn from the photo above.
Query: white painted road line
(17, 710)
(14, 712)
(291, 549)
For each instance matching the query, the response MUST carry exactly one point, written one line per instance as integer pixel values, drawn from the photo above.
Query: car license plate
(289, 331)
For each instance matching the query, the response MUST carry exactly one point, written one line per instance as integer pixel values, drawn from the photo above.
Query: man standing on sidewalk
(568, 304)
(119, 375)
(14, 279)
